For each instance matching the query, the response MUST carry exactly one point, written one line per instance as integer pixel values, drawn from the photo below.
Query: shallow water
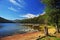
(11, 28)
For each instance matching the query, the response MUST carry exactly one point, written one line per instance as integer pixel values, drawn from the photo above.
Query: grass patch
(50, 38)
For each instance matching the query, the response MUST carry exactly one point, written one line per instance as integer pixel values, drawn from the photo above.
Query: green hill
(2, 20)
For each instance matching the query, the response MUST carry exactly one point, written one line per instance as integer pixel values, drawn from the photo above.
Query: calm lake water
(11, 28)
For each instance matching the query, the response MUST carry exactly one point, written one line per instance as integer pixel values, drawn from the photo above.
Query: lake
(12, 28)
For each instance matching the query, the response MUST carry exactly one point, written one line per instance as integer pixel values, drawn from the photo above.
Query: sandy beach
(26, 36)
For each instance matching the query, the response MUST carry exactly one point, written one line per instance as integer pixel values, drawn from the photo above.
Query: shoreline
(30, 35)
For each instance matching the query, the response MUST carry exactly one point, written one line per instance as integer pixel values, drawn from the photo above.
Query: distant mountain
(2, 20)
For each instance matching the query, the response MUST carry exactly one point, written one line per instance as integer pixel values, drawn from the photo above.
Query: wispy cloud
(29, 15)
(13, 9)
(16, 3)
(22, 1)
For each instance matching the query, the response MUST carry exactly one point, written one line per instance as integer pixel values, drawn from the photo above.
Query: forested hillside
(2, 20)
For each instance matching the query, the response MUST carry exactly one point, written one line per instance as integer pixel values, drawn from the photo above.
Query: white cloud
(11, 8)
(16, 3)
(29, 15)
(43, 13)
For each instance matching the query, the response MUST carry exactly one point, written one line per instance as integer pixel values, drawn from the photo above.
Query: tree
(56, 18)
(53, 10)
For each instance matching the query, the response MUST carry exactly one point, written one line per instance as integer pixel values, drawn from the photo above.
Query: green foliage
(50, 38)
(35, 20)
(53, 11)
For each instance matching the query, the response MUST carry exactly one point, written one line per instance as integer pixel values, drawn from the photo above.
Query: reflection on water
(11, 28)
(1, 26)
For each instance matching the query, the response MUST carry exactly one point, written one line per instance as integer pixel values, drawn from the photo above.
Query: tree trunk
(57, 23)
(46, 31)
(57, 28)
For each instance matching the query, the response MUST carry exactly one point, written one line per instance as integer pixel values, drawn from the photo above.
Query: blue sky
(20, 9)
